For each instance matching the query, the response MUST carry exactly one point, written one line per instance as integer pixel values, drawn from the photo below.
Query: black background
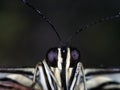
(25, 37)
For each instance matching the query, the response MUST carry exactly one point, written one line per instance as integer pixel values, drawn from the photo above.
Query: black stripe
(46, 78)
(63, 72)
(7, 79)
(101, 86)
(63, 78)
(54, 84)
(16, 72)
(72, 76)
(2, 87)
(102, 72)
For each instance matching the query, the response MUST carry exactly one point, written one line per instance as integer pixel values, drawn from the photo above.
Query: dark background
(25, 37)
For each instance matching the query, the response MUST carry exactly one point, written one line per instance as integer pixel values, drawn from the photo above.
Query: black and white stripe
(64, 76)
(61, 77)
(103, 79)
(22, 76)
(97, 79)
(62, 70)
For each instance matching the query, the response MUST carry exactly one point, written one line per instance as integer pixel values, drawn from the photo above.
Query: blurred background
(25, 37)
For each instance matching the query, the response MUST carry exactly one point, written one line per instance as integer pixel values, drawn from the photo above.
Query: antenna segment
(43, 17)
(84, 27)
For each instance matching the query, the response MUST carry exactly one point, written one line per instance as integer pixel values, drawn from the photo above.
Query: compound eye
(52, 57)
(75, 57)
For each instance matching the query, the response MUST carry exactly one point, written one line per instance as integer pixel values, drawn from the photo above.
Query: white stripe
(52, 74)
(23, 80)
(58, 70)
(112, 86)
(60, 60)
(48, 76)
(75, 77)
(42, 78)
(67, 67)
(81, 72)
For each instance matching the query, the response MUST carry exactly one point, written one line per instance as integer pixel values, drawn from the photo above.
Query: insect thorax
(62, 68)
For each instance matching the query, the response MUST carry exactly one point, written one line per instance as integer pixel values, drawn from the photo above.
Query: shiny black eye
(75, 57)
(52, 57)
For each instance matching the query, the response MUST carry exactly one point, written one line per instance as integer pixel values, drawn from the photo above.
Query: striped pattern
(97, 79)
(62, 77)
(103, 79)
(22, 76)
(46, 77)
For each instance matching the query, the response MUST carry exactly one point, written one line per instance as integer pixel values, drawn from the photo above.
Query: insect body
(60, 70)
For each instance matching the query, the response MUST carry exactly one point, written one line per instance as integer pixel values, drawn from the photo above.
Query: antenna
(43, 17)
(84, 27)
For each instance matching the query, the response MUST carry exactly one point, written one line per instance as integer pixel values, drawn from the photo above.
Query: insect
(61, 69)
